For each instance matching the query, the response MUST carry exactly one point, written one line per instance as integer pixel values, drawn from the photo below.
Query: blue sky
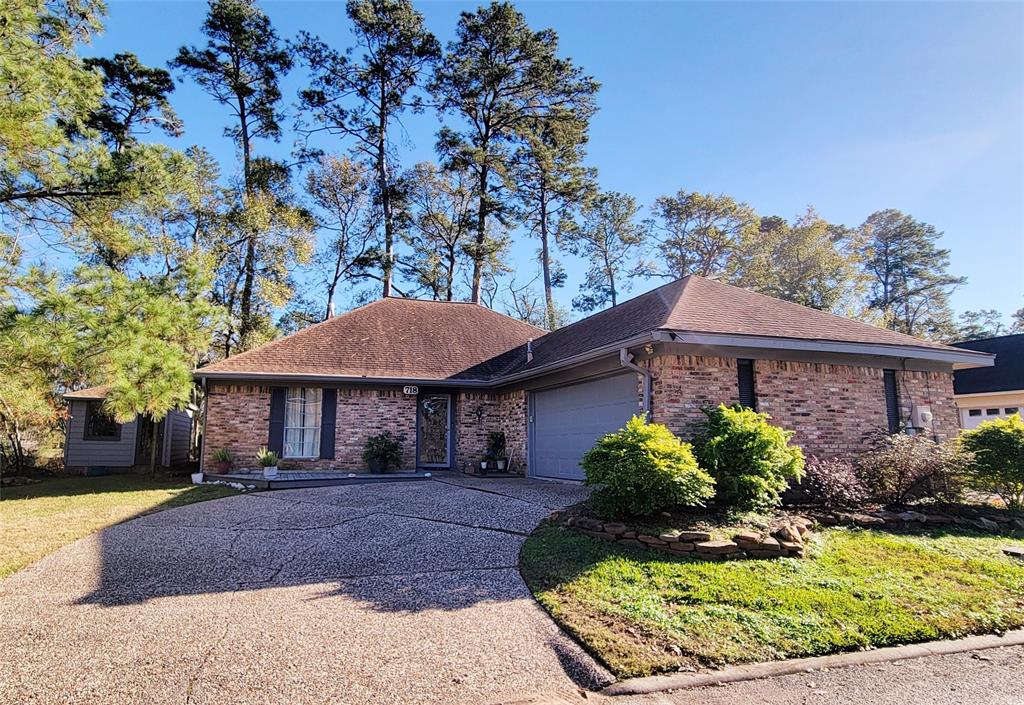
(850, 108)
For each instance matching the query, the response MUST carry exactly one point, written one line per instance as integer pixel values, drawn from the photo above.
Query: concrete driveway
(394, 593)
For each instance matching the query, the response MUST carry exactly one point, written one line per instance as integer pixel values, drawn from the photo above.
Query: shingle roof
(390, 338)
(100, 392)
(423, 340)
(1008, 373)
(698, 305)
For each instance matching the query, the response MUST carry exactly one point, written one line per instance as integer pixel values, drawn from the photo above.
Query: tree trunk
(481, 235)
(246, 323)
(545, 258)
(385, 194)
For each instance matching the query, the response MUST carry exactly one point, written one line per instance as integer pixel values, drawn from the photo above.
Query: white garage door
(567, 421)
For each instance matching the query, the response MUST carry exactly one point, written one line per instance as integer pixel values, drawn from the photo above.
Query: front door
(433, 431)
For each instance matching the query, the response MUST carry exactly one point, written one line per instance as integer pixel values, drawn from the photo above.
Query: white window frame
(309, 420)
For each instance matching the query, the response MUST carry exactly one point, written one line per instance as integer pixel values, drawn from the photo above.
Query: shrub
(496, 445)
(267, 458)
(383, 450)
(643, 468)
(751, 460)
(899, 468)
(833, 482)
(997, 458)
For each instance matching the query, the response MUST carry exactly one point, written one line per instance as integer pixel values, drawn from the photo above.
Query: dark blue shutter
(745, 372)
(328, 416)
(892, 400)
(275, 441)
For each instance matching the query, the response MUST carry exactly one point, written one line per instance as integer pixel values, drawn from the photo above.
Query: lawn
(36, 520)
(643, 613)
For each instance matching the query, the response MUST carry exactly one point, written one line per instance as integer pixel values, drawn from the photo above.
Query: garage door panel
(568, 420)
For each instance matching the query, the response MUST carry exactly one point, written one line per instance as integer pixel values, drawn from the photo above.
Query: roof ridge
(990, 337)
(656, 290)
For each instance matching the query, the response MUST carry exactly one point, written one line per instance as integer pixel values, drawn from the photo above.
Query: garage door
(567, 421)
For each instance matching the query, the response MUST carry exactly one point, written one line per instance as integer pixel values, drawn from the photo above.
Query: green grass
(643, 613)
(36, 520)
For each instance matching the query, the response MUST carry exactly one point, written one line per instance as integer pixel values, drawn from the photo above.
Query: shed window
(1010, 410)
(892, 400)
(99, 424)
(302, 422)
(991, 412)
(745, 371)
(974, 412)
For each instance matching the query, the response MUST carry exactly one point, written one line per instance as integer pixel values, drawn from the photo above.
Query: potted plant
(222, 458)
(197, 478)
(268, 460)
(383, 450)
(483, 465)
(496, 449)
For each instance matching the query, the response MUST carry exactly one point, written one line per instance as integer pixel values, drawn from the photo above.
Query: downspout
(626, 360)
(205, 410)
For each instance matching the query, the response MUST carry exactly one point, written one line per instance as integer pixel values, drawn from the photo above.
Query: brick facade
(479, 413)
(238, 418)
(832, 408)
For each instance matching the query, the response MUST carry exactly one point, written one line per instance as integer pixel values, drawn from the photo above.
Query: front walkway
(391, 593)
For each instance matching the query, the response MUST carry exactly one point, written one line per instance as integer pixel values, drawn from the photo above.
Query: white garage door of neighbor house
(567, 420)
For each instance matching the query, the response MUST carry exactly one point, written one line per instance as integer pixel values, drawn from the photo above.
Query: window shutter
(892, 400)
(745, 372)
(275, 442)
(328, 415)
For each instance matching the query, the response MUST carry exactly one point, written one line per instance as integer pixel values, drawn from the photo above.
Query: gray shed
(95, 443)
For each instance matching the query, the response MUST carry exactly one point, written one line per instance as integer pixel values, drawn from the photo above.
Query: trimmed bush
(751, 460)
(644, 468)
(833, 482)
(900, 468)
(997, 462)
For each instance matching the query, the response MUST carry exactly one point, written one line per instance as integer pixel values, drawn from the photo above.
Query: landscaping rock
(911, 516)
(768, 544)
(747, 537)
(755, 553)
(1019, 523)
(716, 547)
(650, 540)
(788, 533)
(615, 529)
(681, 547)
(987, 524)
(1014, 552)
(670, 536)
(694, 536)
(937, 519)
(589, 524)
(791, 546)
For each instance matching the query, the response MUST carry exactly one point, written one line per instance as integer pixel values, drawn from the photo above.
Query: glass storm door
(434, 430)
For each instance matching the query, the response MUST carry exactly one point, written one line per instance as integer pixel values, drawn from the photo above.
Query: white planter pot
(197, 478)
(502, 464)
(270, 473)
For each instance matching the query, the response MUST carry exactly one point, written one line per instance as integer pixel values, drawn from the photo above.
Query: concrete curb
(735, 674)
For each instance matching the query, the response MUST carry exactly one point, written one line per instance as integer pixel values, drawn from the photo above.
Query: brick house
(447, 374)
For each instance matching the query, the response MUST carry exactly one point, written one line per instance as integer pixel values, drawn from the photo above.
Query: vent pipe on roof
(529, 351)
(330, 310)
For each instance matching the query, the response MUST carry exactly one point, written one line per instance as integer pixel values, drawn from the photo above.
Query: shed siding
(82, 453)
(179, 437)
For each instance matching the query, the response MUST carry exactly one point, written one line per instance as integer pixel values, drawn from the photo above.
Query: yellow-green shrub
(643, 468)
(997, 465)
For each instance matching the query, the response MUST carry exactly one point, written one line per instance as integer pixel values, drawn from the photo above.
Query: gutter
(626, 360)
(960, 359)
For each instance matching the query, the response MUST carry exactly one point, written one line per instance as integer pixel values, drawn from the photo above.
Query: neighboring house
(446, 374)
(95, 443)
(991, 392)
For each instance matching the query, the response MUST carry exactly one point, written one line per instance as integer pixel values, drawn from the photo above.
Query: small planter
(197, 478)
(270, 472)
(502, 464)
(223, 467)
(483, 467)
(377, 465)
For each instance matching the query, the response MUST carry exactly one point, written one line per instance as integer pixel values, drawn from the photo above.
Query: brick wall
(831, 408)
(238, 418)
(479, 413)
(682, 385)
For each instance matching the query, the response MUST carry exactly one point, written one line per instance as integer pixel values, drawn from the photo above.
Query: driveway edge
(735, 674)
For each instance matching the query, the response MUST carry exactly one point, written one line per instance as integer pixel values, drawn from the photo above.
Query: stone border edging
(771, 669)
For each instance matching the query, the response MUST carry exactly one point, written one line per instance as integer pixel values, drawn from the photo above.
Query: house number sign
(411, 389)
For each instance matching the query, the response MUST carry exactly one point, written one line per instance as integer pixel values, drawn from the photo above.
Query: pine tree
(362, 98)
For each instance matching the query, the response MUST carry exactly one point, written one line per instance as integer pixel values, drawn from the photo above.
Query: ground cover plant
(642, 612)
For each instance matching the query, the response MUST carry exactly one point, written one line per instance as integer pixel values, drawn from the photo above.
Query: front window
(100, 425)
(302, 422)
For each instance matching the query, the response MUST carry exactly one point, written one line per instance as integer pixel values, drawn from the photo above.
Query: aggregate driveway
(392, 593)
